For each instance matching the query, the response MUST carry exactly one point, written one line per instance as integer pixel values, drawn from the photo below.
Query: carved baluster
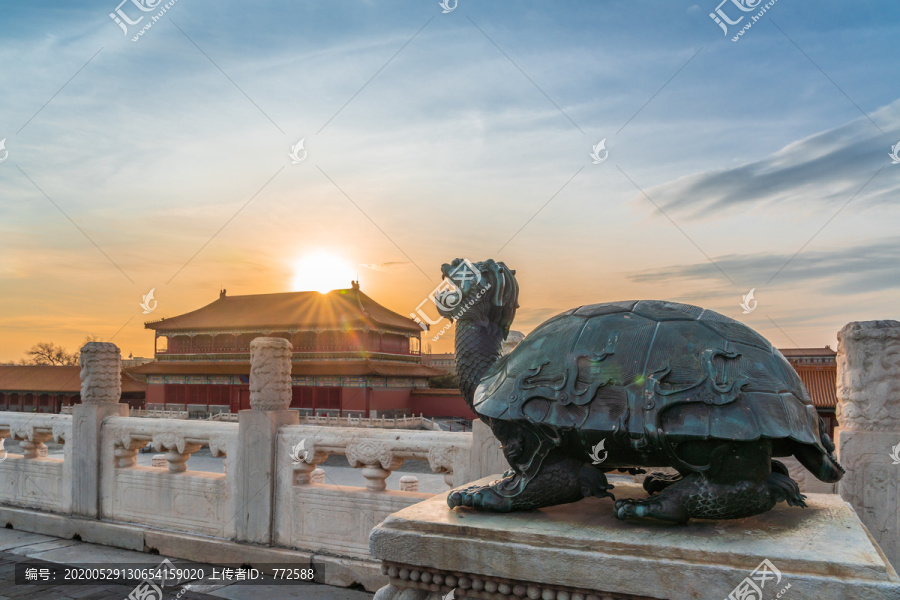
(34, 444)
(178, 450)
(376, 460)
(4, 433)
(177, 458)
(126, 452)
(441, 460)
(305, 470)
(318, 476)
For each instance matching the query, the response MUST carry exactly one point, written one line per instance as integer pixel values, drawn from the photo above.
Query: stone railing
(146, 413)
(419, 422)
(158, 414)
(270, 506)
(173, 497)
(304, 506)
(30, 479)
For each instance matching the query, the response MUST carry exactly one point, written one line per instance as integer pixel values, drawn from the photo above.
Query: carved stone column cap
(270, 373)
(868, 376)
(101, 373)
(868, 329)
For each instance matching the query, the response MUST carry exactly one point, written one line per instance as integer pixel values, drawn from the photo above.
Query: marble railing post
(254, 465)
(101, 389)
(868, 412)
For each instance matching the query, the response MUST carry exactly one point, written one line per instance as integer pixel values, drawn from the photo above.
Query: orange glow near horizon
(322, 271)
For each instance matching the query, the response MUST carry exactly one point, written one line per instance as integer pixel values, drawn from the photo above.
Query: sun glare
(322, 272)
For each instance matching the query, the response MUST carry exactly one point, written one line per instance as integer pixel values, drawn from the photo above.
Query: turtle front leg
(558, 481)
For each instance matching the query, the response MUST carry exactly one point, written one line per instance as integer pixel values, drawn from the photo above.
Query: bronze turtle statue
(623, 385)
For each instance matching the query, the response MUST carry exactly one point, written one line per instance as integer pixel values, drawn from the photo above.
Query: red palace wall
(441, 405)
(359, 400)
(382, 400)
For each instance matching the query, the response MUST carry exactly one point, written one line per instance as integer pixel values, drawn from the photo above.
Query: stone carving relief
(101, 373)
(270, 374)
(868, 385)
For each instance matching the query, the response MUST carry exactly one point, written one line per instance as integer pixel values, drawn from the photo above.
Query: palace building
(350, 354)
(817, 368)
(49, 388)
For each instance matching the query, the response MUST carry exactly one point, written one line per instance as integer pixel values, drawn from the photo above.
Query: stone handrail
(33, 429)
(312, 513)
(31, 480)
(177, 438)
(378, 453)
(267, 505)
(419, 422)
(158, 414)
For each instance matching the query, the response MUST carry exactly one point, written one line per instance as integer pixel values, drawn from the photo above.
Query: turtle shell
(650, 368)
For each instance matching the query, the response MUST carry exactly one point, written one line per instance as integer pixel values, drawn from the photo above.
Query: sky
(163, 161)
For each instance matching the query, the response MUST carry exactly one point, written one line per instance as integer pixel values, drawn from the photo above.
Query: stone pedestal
(254, 466)
(409, 483)
(868, 411)
(101, 389)
(581, 551)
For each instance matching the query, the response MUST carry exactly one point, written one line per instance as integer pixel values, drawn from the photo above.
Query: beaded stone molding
(467, 585)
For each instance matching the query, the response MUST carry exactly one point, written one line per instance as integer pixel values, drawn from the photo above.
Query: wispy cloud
(844, 271)
(823, 169)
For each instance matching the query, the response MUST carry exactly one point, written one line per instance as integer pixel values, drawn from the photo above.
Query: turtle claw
(629, 507)
(481, 497)
(594, 483)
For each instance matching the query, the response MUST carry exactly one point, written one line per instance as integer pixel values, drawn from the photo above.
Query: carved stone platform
(582, 552)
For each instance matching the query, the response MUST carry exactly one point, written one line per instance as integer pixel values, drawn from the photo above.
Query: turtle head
(482, 291)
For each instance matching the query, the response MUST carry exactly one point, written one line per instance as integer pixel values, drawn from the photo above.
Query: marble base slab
(581, 551)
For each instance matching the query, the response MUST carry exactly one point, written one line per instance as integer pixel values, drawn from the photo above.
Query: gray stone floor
(19, 546)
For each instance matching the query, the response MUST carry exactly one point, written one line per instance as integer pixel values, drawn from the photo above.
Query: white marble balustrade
(338, 519)
(174, 498)
(30, 480)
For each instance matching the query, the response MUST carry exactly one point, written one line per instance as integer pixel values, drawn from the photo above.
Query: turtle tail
(820, 460)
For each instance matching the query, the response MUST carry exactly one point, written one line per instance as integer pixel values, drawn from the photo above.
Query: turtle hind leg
(658, 481)
(696, 497)
(560, 480)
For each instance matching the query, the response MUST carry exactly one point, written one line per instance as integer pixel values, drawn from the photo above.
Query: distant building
(350, 354)
(46, 389)
(817, 368)
(445, 362)
(135, 361)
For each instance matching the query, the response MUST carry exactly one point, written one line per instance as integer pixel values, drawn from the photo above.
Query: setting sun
(322, 272)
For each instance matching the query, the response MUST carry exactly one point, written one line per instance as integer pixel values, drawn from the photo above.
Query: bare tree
(48, 353)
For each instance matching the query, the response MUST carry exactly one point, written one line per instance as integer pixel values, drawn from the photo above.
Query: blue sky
(164, 164)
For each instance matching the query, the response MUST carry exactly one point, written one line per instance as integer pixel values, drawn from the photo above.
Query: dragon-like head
(478, 291)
